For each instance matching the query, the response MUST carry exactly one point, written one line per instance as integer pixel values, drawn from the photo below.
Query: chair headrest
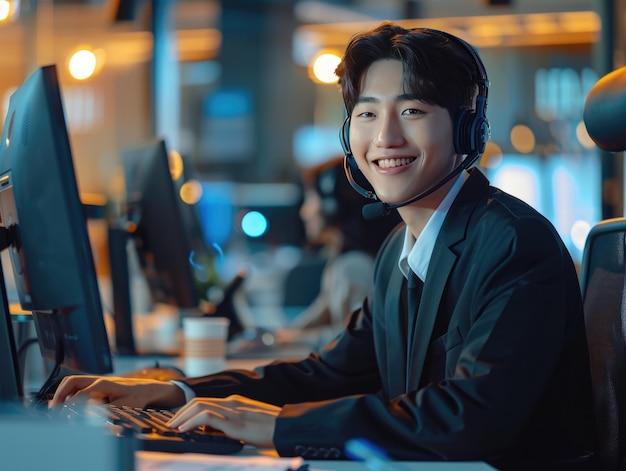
(604, 112)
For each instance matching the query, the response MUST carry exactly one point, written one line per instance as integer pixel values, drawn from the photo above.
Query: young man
(493, 363)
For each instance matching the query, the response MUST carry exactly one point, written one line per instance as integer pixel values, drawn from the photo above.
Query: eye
(363, 110)
(412, 112)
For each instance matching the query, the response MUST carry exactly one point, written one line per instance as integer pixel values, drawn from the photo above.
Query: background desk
(124, 364)
(149, 461)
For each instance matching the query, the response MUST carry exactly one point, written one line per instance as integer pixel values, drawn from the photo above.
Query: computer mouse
(159, 373)
(251, 340)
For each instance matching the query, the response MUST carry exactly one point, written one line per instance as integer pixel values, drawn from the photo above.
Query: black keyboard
(148, 428)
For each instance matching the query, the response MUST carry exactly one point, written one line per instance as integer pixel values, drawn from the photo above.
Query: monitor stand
(120, 285)
(126, 337)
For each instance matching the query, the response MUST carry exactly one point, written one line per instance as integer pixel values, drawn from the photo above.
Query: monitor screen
(49, 248)
(157, 226)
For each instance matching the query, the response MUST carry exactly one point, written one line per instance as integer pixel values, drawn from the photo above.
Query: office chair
(603, 281)
(603, 284)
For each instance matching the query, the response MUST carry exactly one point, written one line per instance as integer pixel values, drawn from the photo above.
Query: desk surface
(124, 364)
(250, 459)
(401, 466)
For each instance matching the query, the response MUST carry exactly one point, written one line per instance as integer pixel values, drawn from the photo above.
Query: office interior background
(230, 86)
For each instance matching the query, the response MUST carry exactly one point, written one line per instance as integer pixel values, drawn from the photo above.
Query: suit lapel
(443, 258)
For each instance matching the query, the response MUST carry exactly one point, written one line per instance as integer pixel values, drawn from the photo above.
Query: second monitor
(155, 224)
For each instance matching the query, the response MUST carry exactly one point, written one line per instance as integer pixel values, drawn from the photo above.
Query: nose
(389, 132)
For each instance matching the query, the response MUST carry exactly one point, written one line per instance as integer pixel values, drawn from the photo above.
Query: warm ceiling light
(191, 192)
(541, 24)
(176, 164)
(5, 10)
(583, 136)
(324, 66)
(492, 157)
(83, 64)
(531, 29)
(522, 138)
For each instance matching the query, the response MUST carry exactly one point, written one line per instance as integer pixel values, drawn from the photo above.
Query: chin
(394, 198)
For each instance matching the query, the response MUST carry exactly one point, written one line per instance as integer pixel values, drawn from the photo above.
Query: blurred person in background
(337, 232)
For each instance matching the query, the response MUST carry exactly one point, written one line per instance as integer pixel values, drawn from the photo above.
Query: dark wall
(256, 57)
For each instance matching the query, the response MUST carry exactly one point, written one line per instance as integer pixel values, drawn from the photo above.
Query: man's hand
(239, 417)
(131, 392)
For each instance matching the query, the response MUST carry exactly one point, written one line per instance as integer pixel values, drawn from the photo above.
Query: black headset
(471, 133)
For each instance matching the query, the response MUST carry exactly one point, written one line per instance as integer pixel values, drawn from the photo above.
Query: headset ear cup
(463, 132)
(482, 133)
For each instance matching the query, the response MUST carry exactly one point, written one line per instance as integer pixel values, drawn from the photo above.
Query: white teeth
(389, 163)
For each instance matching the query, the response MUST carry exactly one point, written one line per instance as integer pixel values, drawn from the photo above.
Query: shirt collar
(416, 254)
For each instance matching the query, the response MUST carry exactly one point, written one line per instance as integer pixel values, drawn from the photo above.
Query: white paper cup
(204, 340)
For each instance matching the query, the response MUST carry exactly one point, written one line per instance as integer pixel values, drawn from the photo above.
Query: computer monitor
(154, 221)
(45, 232)
(158, 230)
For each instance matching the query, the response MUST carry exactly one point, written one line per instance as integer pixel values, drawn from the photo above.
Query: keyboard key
(153, 434)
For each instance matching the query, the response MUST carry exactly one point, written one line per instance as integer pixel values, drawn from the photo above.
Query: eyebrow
(398, 99)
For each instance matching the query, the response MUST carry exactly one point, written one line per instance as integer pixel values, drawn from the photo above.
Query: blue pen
(372, 456)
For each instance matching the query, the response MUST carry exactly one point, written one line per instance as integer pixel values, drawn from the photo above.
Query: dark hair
(342, 207)
(437, 69)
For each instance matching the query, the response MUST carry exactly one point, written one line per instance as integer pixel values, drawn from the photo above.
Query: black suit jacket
(497, 369)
